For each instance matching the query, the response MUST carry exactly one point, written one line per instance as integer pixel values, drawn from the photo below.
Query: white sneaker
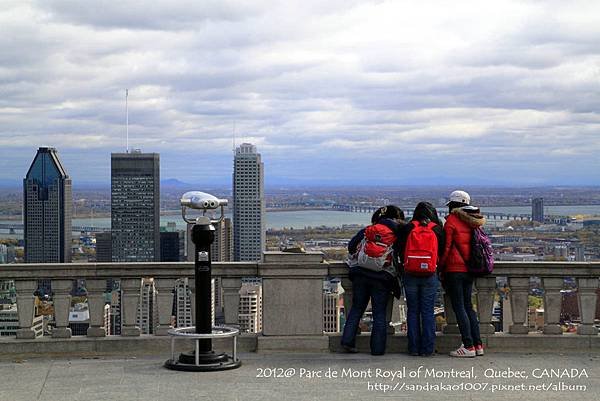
(463, 352)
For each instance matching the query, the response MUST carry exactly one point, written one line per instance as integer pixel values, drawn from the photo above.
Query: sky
(340, 92)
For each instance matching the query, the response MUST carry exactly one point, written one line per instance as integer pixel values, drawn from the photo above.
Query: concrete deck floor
(144, 378)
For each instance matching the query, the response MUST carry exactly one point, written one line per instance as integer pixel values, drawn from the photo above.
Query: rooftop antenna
(233, 138)
(127, 120)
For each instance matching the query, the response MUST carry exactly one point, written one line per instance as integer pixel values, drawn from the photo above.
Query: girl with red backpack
(458, 282)
(374, 276)
(421, 243)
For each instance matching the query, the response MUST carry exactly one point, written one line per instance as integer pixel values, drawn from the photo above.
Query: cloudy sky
(335, 92)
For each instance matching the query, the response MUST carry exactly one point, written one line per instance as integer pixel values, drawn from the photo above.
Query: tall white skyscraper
(248, 204)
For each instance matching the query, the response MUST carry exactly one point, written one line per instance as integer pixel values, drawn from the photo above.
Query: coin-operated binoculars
(203, 358)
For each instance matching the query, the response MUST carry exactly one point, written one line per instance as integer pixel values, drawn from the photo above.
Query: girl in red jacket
(458, 282)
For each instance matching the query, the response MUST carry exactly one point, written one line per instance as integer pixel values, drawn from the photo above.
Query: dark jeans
(420, 320)
(459, 287)
(363, 289)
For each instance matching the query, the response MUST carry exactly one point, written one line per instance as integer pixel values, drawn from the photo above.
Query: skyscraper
(147, 313)
(537, 210)
(47, 209)
(103, 247)
(248, 204)
(135, 207)
(221, 250)
(169, 246)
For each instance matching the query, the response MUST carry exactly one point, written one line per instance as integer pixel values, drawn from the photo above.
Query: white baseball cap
(460, 197)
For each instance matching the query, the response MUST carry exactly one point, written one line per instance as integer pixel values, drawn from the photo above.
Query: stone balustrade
(292, 293)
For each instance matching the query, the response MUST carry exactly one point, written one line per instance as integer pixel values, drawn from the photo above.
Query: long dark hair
(426, 211)
(389, 211)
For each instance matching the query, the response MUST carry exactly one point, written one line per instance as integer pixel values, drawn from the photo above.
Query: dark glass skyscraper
(169, 246)
(537, 210)
(47, 209)
(135, 207)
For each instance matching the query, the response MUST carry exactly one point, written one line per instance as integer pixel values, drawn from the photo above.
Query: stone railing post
(587, 288)
(165, 287)
(131, 290)
(95, 296)
(231, 299)
(519, 304)
(486, 290)
(62, 306)
(451, 326)
(25, 307)
(293, 293)
(552, 304)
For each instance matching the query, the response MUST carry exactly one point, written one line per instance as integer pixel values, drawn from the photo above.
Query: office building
(3, 254)
(169, 246)
(537, 210)
(9, 322)
(115, 310)
(79, 320)
(107, 318)
(135, 207)
(221, 250)
(7, 254)
(8, 292)
(147, 314)
(248, 204)
(182, 303)
(332, 306)
(7, 287)
(104, 247)
(47, 209)
(183, 306)
(579, 253)
(250, 311)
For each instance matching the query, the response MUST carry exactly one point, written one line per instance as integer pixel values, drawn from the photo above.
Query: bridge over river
(12, 228)
(444, 213)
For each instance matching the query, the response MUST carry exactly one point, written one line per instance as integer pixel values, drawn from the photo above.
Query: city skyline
(505, 94)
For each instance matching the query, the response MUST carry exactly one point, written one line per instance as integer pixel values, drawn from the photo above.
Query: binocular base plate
(206, 362)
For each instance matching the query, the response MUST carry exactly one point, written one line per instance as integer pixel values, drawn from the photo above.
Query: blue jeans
(420, 320)
(459, 287)
(363, 290)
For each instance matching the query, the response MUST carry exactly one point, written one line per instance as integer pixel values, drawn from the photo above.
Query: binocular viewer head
(201, 200)
(205, 202)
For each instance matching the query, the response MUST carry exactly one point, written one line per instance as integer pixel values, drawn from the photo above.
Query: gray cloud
(323, 88)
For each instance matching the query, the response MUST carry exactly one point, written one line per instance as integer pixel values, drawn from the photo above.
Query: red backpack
(421, 252)
(375, 250)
